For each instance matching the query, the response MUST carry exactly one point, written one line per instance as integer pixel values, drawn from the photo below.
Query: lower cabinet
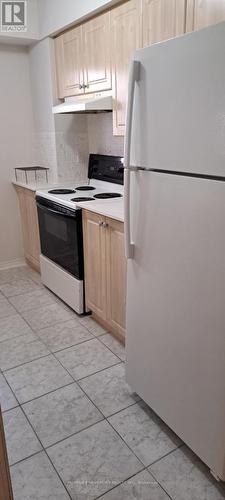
(29, 220)
(105, 271)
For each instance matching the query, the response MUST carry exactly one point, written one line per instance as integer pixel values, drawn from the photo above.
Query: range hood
(92, 103)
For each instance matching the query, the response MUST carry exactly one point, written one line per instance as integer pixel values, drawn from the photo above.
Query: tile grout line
(41, 451)
(57, 473)
(109, 347)
(78, 319)
(37, 397)
(162, 486)
(26, 458)
(25, 363)
(128, 479)
(44, 449)
(77, 382)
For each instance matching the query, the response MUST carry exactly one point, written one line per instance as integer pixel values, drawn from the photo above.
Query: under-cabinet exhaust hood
(92, 103)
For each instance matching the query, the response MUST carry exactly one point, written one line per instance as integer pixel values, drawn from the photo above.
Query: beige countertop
(113, 208)
(31, 186)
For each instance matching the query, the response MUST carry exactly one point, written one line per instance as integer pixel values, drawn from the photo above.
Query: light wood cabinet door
(202, 13)
(5, 481)
(162, 19)
(125, 38)
(105, 271)
(95, 263)
(24, 218)
(116, 276)
(59, 67)
(69, 62)
(33, 229)
(97, 59)
(30, 229)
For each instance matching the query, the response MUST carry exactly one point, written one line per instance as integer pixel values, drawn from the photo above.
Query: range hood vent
(93, 103)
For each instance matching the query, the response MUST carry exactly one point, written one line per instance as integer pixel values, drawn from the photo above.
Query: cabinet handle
(105, 225)
(100, 223)
(81, 86)
(86, 86)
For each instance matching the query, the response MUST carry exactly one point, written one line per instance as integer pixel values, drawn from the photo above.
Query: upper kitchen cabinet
(83, 62)
(69, 63)
(202, 13)
(97, 57)
(162, 19)
(125, 38)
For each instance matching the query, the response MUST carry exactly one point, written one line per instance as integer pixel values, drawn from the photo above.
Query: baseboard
(8, 264)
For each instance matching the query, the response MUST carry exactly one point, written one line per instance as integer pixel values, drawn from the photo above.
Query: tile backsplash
(78, 135)
(71, 146)
(100, 135)
(44, 154)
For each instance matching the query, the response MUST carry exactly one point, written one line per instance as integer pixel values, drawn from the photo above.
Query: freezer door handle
(133, 78)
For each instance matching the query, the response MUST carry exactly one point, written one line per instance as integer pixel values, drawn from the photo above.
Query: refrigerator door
(179, 104)
(176, 308)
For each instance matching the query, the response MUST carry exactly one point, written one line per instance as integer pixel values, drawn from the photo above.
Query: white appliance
(60, 226)
(92, 103)
(175, 237)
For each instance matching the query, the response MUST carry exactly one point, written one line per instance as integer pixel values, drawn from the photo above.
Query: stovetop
(97, 190)
(105, 182)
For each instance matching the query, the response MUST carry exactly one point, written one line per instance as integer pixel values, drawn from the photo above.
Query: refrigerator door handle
(133, 78)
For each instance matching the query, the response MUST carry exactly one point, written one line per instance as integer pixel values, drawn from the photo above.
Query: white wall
(41, 80)
(55, 15)
(16, 127)
(60, 142)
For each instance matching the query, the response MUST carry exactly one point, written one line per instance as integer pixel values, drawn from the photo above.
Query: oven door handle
(56, 212)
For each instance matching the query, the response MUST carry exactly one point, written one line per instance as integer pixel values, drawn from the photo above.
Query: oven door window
(61, 239)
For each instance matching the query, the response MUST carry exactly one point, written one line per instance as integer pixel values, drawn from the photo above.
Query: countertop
(113, 208)
(32, 187)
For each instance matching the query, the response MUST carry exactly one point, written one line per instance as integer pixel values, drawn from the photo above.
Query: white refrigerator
(175, 237)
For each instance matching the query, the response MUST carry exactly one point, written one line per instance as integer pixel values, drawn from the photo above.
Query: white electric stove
(60, 225)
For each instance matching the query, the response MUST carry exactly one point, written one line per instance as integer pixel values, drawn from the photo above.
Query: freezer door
(176, 308)
(179, 104)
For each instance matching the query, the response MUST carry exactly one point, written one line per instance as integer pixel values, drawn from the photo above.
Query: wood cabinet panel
(30, 229)
(162, 19)
(33, 233)
(125, 38)
(59, 66)
(5, 481)
(202, 13)
(97, 61)
(69, 62)
(95, 265)
(73, 62)
(105, 271)
(116, 275)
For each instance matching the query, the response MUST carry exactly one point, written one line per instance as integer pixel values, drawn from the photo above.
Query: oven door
(61, 235)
